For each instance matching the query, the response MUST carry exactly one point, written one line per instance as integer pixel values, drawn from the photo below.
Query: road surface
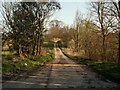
(61, 73)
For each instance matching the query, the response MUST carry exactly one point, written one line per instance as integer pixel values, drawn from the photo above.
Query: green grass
(8, 52)
(49, 45)
(107, 69)
(17, 65)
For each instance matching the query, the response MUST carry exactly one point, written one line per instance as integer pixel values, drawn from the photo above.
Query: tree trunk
(103, 49)
(33, 50)
(119, 34)
(119, 49)
(37, 52)
(20, 51)
(76, 43)
(40, 46)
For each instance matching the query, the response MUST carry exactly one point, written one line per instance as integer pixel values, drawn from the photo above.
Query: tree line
(24, 24)
(98, 35)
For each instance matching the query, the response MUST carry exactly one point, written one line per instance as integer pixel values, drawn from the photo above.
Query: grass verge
(109, 70)
(12, 66)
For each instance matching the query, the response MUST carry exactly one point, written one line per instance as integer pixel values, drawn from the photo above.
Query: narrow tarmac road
(62, 73)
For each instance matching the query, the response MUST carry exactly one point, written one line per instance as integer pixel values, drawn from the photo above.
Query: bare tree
(115, 11)
(112, 12)
(103, 21)
(78, 22)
